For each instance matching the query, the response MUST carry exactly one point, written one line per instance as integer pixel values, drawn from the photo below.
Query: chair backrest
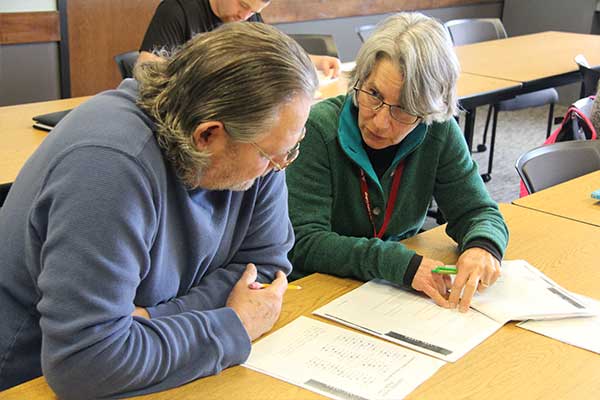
(467, 31)
(126, 62)
(550, 165)
(317, 44)
(365, 31)
(585, 104)
(589, 80)
(4, 188)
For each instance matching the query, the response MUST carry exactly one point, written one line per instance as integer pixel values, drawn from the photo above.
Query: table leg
(469, 127)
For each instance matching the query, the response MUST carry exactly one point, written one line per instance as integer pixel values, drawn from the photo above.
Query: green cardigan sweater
(333, 232)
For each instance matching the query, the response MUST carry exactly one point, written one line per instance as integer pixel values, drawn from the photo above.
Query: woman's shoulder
(324, 116)
(444, 131)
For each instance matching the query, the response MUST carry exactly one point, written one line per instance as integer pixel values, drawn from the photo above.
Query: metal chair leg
(550, 120)
(488, 176)
(482, 147)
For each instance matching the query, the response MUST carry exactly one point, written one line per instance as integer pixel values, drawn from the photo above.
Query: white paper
(324, 79)
(523, 292)
(410, 319)
(348, 66)
(580, 332)
(339, 363)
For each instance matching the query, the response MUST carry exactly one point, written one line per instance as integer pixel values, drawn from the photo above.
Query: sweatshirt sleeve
(463, 198)
(320, 249)
(95, 217)
(267, 241)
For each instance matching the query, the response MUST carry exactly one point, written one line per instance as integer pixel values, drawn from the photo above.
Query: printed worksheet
(410, 319)
(580, 332)
(340, 363)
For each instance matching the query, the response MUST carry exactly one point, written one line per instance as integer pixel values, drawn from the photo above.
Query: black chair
(4, 188)
(467, 31)
(317, 44)
(365, 31)
(555, 163)
(126, 62)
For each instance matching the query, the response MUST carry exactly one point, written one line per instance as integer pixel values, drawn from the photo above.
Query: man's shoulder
(195, 13)
(110, 119)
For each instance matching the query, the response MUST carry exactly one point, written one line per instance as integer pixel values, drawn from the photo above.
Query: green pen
(445, 269)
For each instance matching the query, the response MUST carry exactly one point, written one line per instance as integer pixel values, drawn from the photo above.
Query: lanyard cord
(389, 209)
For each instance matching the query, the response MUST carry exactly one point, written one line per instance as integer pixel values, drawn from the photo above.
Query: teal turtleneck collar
(351, 140)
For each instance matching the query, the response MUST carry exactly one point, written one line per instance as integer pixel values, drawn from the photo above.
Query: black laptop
(46, 122)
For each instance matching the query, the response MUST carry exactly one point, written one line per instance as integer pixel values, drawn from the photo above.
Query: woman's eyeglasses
(374, 102)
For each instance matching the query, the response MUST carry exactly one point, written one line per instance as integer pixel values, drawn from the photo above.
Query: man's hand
(433, 285)
(330, 66)
(140, 312)
(258, 309)
(477, 269)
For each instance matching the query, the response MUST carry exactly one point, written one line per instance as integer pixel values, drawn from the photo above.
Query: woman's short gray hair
(422, 50)
(239, 74)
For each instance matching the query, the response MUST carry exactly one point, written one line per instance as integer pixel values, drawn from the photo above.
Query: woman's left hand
(477, 270)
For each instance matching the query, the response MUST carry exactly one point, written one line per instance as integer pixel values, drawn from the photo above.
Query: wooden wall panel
(29, 27)
(280, 11)
(98, 30)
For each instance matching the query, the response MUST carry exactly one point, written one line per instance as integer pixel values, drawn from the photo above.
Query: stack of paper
(340, 363)
(414, 321)
(343, 364)
(523, 292)
(580, 332)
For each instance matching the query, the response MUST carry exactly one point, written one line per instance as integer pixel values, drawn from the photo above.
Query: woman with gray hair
(373, 159)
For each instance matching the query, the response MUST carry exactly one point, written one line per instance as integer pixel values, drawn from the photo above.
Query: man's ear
(209, 134)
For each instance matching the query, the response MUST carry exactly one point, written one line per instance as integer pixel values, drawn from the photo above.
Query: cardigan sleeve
(463, 198)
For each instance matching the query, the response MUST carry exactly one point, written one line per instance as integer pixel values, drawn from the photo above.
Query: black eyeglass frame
(391, 107)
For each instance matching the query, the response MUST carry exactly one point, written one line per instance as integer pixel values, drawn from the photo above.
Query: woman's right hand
(436, 286)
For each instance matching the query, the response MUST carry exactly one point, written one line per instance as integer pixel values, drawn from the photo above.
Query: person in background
(134, 239)
(177, 21)
(373, 159)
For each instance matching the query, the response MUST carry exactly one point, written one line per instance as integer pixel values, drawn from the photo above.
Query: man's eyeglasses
(374, 102)
(288, 158)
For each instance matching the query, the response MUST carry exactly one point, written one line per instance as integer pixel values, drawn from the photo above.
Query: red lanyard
(389, 209)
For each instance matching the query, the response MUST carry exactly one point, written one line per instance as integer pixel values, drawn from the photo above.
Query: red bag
(575, 126)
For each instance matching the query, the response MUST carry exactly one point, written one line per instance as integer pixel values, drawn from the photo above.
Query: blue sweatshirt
(97, 222)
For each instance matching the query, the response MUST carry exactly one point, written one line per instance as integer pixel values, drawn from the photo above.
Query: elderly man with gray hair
(135, 239)
(374, 158)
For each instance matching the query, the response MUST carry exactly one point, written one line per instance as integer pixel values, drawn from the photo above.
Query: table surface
(569, 199)
(529, 57)
(468, 85)
(512, 363)
(18, 137)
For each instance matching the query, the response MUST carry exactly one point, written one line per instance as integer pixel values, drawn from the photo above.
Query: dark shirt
(381, 159)
(177, 21)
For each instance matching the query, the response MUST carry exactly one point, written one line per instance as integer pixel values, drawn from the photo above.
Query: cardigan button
(376, 211)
